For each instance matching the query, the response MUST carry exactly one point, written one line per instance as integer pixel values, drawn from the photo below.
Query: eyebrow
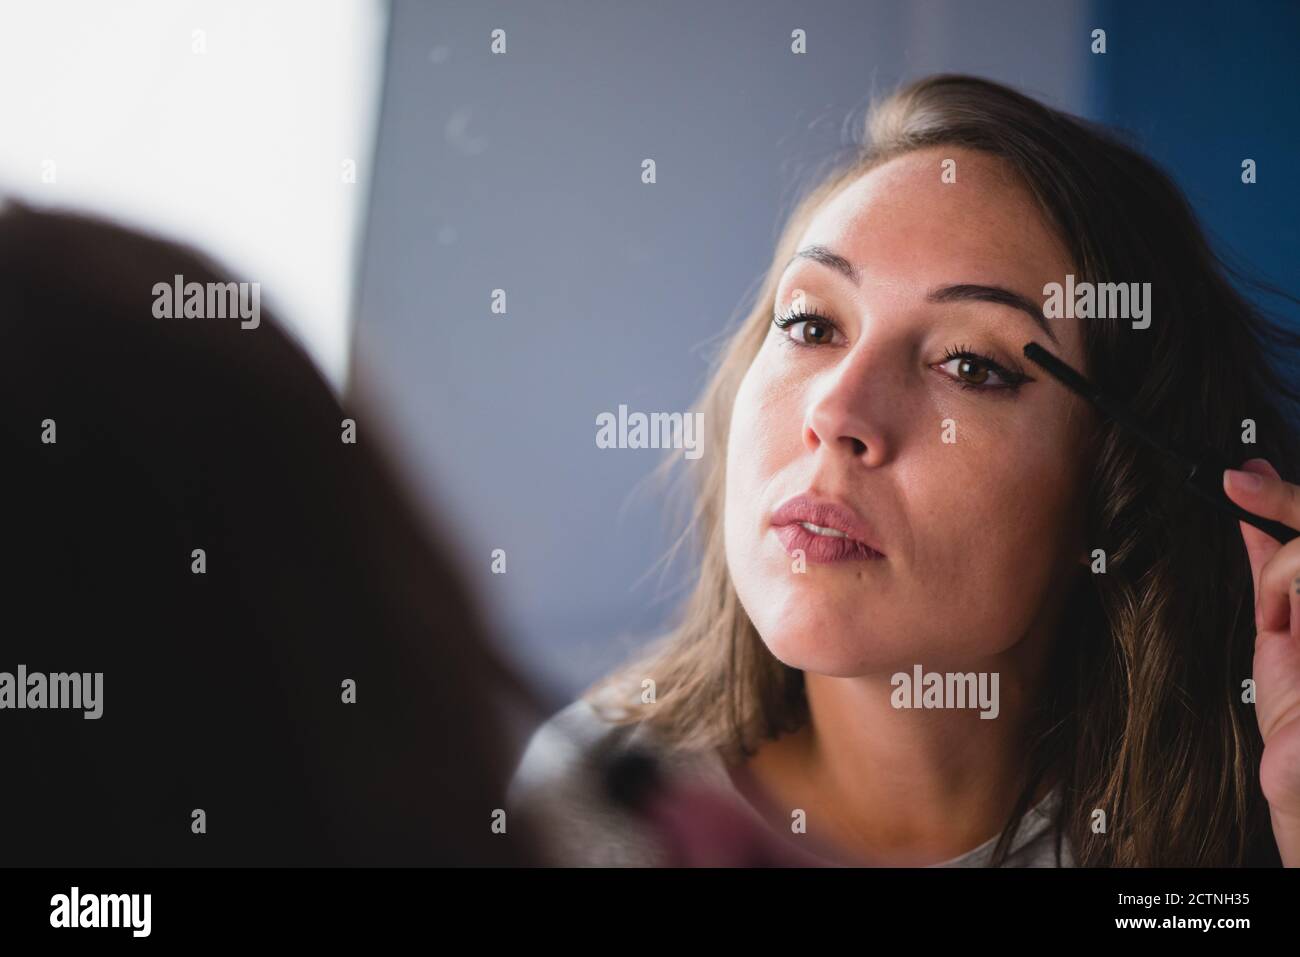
(959, 292)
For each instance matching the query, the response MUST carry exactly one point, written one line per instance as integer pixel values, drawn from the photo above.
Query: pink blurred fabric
(700, 827)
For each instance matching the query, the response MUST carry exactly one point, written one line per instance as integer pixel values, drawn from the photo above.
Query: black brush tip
(1059, 370)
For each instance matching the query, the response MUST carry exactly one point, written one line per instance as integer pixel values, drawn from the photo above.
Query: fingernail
(1243, 481)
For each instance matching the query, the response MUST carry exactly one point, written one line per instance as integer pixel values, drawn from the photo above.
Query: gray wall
(522, 172)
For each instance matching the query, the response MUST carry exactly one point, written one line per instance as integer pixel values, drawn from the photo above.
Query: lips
(824, 531)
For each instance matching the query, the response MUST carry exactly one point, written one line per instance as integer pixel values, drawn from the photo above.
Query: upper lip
(827, 513)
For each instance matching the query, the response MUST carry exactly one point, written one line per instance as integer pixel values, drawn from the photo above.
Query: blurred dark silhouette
(222, 691)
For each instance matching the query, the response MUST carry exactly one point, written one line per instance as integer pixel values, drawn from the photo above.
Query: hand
(1276, 572)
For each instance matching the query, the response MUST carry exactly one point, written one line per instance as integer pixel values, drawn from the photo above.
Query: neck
(902, 785)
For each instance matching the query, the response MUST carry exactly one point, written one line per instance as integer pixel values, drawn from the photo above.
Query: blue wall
(1204, 86)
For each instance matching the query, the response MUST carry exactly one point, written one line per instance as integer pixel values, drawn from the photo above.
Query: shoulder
(557, 788)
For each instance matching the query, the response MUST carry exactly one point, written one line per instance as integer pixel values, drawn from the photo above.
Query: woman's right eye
(806, 329)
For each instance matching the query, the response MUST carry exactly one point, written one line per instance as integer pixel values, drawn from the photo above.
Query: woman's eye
(971, 370)
(806, 330)
(979, 372)
(811, 332)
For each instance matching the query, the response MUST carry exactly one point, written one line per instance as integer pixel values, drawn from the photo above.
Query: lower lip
(823, 549)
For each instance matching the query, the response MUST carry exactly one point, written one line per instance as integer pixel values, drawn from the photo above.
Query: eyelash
(1012, 378)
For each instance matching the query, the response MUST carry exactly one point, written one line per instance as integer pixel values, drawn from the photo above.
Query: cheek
(743, 465)
(761, 442)
(764, 430)
(991, 516)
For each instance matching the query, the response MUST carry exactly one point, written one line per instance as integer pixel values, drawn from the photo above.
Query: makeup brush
(1202, 472)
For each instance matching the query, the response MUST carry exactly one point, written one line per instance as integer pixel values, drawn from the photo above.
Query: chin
(806, 656)
(817, 644)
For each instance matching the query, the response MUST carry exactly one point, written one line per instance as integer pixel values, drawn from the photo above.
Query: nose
(843, 410)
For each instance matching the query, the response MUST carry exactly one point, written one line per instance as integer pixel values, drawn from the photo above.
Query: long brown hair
(1143, 717)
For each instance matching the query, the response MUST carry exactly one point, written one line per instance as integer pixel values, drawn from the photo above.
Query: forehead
(901, 223)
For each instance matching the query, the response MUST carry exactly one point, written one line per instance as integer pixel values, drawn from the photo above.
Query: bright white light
(226, 125)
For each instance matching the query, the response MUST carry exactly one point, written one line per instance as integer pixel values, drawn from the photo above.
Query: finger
(1260, 546)
(1295, 608)
(1277, 584)
(1266, 494)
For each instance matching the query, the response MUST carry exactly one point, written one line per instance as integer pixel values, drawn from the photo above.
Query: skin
(981, 536)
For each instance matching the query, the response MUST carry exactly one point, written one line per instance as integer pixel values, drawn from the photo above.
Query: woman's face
(967, 485)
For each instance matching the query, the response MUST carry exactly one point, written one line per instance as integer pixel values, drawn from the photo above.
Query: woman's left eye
(981, 373)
